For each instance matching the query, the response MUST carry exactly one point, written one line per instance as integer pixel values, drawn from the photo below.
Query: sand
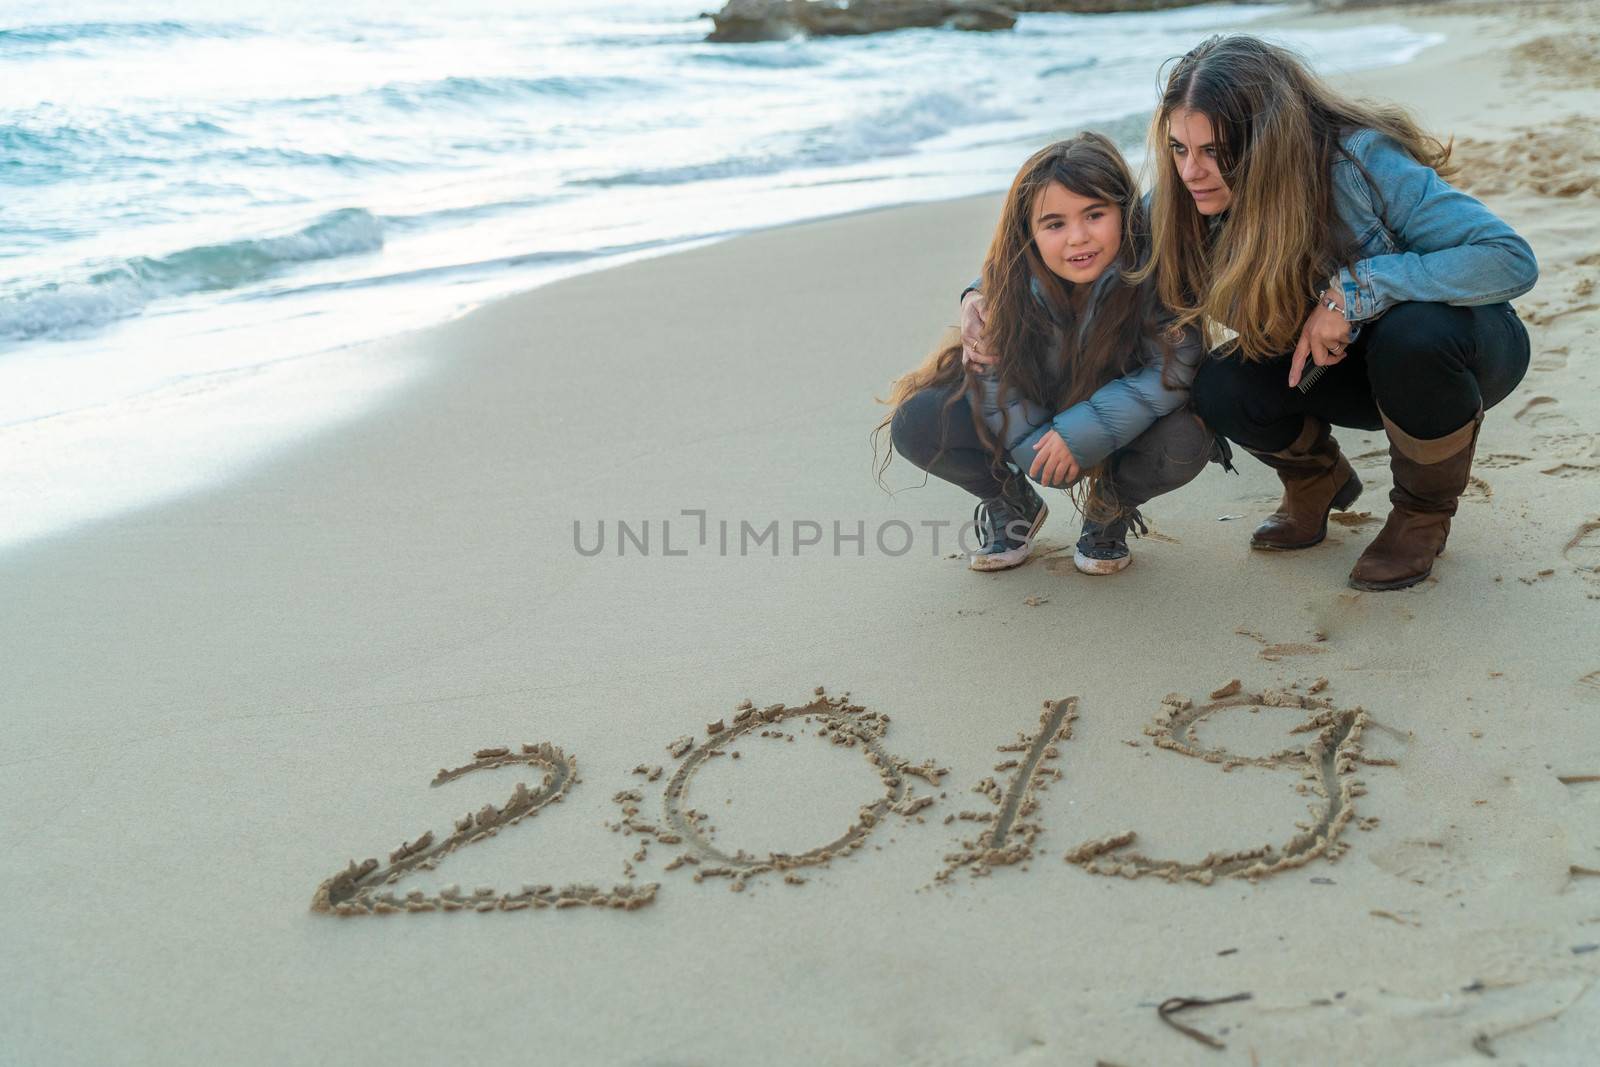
(214, 704)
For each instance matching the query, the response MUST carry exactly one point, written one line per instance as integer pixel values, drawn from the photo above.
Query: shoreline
(218, 701)
(192, 450)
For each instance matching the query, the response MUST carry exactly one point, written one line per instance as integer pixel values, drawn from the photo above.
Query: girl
(1089, 383)
(1320, 229)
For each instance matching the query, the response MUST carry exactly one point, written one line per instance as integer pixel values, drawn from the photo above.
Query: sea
(207, 209)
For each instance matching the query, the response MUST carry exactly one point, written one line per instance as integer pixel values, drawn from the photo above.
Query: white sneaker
(1103, 547)
(1008, 528)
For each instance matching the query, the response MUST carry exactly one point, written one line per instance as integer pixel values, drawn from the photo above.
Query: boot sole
(1399, 583)
(1379, 587)
(1348, 494)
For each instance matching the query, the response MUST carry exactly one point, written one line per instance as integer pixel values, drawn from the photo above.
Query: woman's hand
(1322, 340)
(972, 354)
(1054, 465)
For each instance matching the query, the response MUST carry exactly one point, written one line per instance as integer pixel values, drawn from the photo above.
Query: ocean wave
(43, 147)
(423, 220)
(776, 56)
(897, 130)
(1068, 68)
(875, 135)
(268, 156)
(49, 144)
(414, 96)
(475, 90)
(41, 37)
(35, 157)
(46, 135)
(732, 167)
(124, 289)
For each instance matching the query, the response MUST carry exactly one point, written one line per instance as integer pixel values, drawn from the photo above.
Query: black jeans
(943, 443)
(1429, 367)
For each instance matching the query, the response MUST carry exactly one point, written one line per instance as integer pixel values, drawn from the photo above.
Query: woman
(1088, 385)
(1319, 229)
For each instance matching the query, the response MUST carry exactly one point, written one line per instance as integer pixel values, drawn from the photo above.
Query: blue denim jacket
(1417, 238)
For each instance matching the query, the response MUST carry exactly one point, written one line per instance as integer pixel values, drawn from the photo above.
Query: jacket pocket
(1376, 241)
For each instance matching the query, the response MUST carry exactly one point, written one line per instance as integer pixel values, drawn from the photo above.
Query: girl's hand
(1054, 465)
(1322, 339)
(973, 357)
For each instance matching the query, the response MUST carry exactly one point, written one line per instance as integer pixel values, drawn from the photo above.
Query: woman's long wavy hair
(1277, 130)
(1030, 325)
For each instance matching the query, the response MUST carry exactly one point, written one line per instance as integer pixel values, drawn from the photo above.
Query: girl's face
(1194, 157)
(1078, 237)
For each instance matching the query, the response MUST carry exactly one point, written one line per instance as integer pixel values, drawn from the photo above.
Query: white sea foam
(126, 287)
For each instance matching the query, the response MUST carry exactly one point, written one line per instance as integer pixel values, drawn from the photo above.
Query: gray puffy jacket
(1111, 417)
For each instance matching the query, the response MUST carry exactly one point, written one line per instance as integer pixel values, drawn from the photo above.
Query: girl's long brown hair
(1276, 128)
(1030, 326)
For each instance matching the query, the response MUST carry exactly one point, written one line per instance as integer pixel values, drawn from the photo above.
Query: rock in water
(982, 18)
(742, 21)
(746, 21)
(1107, 7)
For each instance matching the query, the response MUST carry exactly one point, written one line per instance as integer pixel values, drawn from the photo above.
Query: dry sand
(213, 705)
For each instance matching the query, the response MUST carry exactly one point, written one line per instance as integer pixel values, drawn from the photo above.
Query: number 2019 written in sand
(1002, 832)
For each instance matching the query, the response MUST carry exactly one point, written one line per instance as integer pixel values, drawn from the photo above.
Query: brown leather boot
(1316, 479)
(1429, 477)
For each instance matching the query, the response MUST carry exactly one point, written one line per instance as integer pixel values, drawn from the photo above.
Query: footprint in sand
(1550, 360)
(1374, 458)
(1434, 864)
(1579, 447)
(1549, 305)
(1565, 58)
(1500, 461)
(1560, 312)
(1540, 415)
(1583, 550)
(1559, 436)
(1557, 159)
(1274, 653)
(1587, 869)
(1583, 471)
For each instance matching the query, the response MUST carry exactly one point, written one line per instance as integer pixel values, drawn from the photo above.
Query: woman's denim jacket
(1416, 238)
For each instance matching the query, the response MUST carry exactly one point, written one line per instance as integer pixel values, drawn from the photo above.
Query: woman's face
(1078, 237)
(1194, 158)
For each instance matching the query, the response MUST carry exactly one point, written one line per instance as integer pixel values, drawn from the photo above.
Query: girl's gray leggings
(942, 441)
